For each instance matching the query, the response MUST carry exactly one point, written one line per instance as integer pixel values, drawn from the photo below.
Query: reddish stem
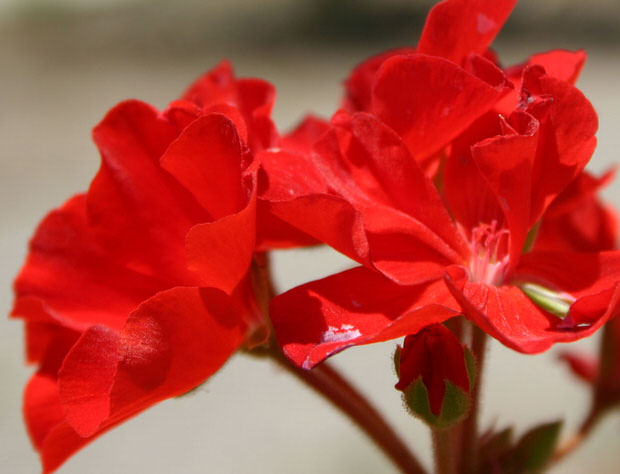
(334, 387)
(326, 381)
(444, 449)
(575, 441)
(602, 398)
(469, 429)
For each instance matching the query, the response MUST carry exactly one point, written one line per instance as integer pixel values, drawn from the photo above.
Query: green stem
(469, 428)
(444, 451)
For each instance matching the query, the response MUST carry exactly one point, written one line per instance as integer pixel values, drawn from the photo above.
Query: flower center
(489, 253)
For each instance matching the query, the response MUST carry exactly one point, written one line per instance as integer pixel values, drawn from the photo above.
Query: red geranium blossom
(140, 289)
(457, 248)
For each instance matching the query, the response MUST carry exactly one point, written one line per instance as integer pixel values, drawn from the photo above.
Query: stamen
(489, 249)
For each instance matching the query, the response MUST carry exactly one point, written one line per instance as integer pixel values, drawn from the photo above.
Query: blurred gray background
(64, 63)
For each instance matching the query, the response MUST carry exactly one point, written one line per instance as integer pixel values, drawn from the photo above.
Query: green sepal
(454, 407)
(470, 366)
(397, 359)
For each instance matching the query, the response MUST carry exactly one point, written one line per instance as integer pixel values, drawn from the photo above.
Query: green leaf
(499, 441)
(493, 446)
(536, 446)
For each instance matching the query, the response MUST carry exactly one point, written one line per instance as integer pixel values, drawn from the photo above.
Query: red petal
(354, 307)
(329, 219)
(257, 98)
(42, 409)
(279, 180)
(254, 98)
(590, 227)
(370, 168)
(578, 274)
(506, 164)
(404, 258)
(585, 368)
(140, 212)
(219, 253)
(171, 343)
(577, 221)
(303, 137)
(274, 233)
(86, 378)
(469, 197)
(207, 159)
(51, 342)
(284, 222)
(69, 279)
(566, 138)
(510, 316)
(216, 86)
(561, 64)
(583, 189)
(359, 84)
(51, 435)
(456, 28)
(428, 101)
(390, 171)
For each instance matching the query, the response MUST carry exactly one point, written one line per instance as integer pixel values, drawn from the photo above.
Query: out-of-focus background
(65, 62)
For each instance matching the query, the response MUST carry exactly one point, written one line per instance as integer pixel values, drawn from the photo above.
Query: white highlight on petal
(346, 332)
(485, 24)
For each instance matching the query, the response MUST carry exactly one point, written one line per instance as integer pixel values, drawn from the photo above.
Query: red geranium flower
(141, 289)
(499, 177)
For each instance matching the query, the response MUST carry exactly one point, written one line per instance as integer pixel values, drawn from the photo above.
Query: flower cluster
(456, 184)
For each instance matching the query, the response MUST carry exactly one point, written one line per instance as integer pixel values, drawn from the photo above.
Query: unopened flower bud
(435, 375)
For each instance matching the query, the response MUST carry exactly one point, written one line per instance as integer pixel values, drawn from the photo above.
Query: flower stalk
(469, 428)
(326, 381)
(444, 449)
(586, 427)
